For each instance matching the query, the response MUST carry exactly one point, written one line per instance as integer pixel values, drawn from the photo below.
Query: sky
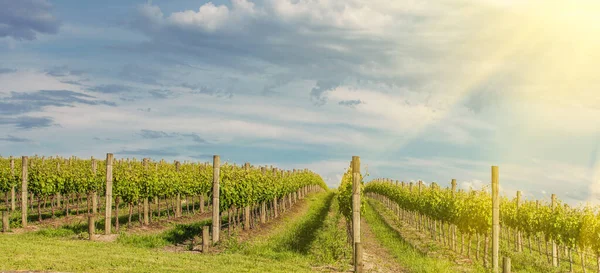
(420, 90)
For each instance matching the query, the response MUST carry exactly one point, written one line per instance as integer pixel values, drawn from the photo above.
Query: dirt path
(375, 257)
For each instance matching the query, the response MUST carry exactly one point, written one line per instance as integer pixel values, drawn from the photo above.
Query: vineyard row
(470, 213)
(249, 188)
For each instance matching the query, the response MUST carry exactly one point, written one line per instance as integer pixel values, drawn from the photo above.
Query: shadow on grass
(300, 237)
(177, 235)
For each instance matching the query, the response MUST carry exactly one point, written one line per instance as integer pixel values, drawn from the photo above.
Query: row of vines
(470, 212)
(135, 180)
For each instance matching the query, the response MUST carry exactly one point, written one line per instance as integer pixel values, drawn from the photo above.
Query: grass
(291, 247)
(405, 254)
(179, 234)
(330, 245)
(316, 239)
(38, 252)
(293, 238)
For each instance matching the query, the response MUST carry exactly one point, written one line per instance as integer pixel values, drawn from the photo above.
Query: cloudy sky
(429, 90)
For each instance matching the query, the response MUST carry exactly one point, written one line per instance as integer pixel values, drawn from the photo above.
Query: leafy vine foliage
(8, 179)
(344, 197)
(135, 180)
(471, 212)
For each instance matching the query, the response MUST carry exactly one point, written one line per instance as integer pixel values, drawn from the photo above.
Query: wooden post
(519, 243)
(247, 207)
(453, 183)
(178, 201)
(205, 239)
(495, 219)
(109, 184)
(275, 207)
(506, 265)
(358, 264)
(202, 203)
(12, 190)
(554, 248)
(95, 193)
(420, 222)
(24, 192)
(5, 223)
(146, 206)
(216, 220)
(91, 226)
(263, 204)
(58, 195)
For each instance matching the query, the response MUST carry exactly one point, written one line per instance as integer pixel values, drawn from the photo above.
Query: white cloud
(209, 17)
(355, 15)
(28, 81)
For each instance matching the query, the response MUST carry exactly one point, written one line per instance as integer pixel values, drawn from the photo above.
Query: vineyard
(422, 227)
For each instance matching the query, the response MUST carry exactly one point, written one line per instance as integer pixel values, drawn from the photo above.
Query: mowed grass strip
(286, 249)
(405, 254)
(317, 239)
(38, 252)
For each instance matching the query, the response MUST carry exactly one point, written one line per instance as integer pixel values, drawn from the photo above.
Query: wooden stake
(216, 220)
(519, 242)
(506, 265)
(554, 248)
(109, 183)
(263, 205)
(202, 203)
(275, 205)
(12, 190)
(5, 222)
(146, 206)
(358, 263)
(178, 201)
(205, 239)
(453, 183)
(24, 192)
(94, 193)
(91, 226)
(247, 207)
(495, 219)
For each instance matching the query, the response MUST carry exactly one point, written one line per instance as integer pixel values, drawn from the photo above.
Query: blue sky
(429, 90)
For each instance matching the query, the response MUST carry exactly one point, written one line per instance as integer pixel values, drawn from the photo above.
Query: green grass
(313, 240)
(293, 238)
(290, 247)
(179, 234)
(405, 254)
(330, 245)
(56, 232)
(38, 252)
